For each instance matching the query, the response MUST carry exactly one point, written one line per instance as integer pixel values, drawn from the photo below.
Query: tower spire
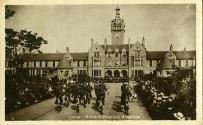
(117, 28)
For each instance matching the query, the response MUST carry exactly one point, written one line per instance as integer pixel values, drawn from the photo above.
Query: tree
(8, 13)
(20, 43)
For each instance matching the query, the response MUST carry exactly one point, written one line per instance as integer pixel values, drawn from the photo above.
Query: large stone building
(115, 60)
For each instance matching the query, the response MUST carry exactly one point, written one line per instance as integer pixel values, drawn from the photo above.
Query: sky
(75, 25)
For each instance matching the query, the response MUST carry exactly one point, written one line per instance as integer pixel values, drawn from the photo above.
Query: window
(31, 64)
(137, 53)
(81, 63)
(137, 62)
(56, 63)
(96, 72)
(96, 54)
(82, 72)
(179, 62)
(97, 62)
(37, 63)
(50, 63)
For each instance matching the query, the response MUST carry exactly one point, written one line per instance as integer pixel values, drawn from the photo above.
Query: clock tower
(117, 29)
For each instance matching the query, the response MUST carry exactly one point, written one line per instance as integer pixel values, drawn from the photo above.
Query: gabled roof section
(165, 64)
(64, 63)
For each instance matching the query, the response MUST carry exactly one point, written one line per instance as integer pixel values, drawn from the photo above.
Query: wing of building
(114, 60)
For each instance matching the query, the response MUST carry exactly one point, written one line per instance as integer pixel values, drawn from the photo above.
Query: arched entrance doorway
(109, 73)
(124, 73)
(116, 74)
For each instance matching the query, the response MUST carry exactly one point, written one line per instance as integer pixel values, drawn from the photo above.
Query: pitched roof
(44, 56)
(55, 56)
(155, 55)
(185, 54)
(80, 56)
(150, 55)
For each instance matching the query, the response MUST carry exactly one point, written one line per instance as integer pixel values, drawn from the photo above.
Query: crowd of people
(161, 106)
(69, 91)
(78, 92)
(20, 94)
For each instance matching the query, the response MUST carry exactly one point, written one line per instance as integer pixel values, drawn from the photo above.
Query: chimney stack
(67, 50)
(92, 42)
(105, 43)
(143, 41)
(129, 42)
(171, 47)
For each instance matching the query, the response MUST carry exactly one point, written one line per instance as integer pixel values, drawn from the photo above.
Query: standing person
(88, 89)
(125, 93)
(60, 96)
(138, 88)
(96, 90)
(102, 92)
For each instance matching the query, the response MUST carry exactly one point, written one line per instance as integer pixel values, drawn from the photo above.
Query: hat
(179, 116)
(170, 108)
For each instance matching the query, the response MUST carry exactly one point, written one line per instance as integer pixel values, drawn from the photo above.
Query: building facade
(114, 60)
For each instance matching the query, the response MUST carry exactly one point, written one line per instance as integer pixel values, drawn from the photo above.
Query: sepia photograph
(101, 62)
